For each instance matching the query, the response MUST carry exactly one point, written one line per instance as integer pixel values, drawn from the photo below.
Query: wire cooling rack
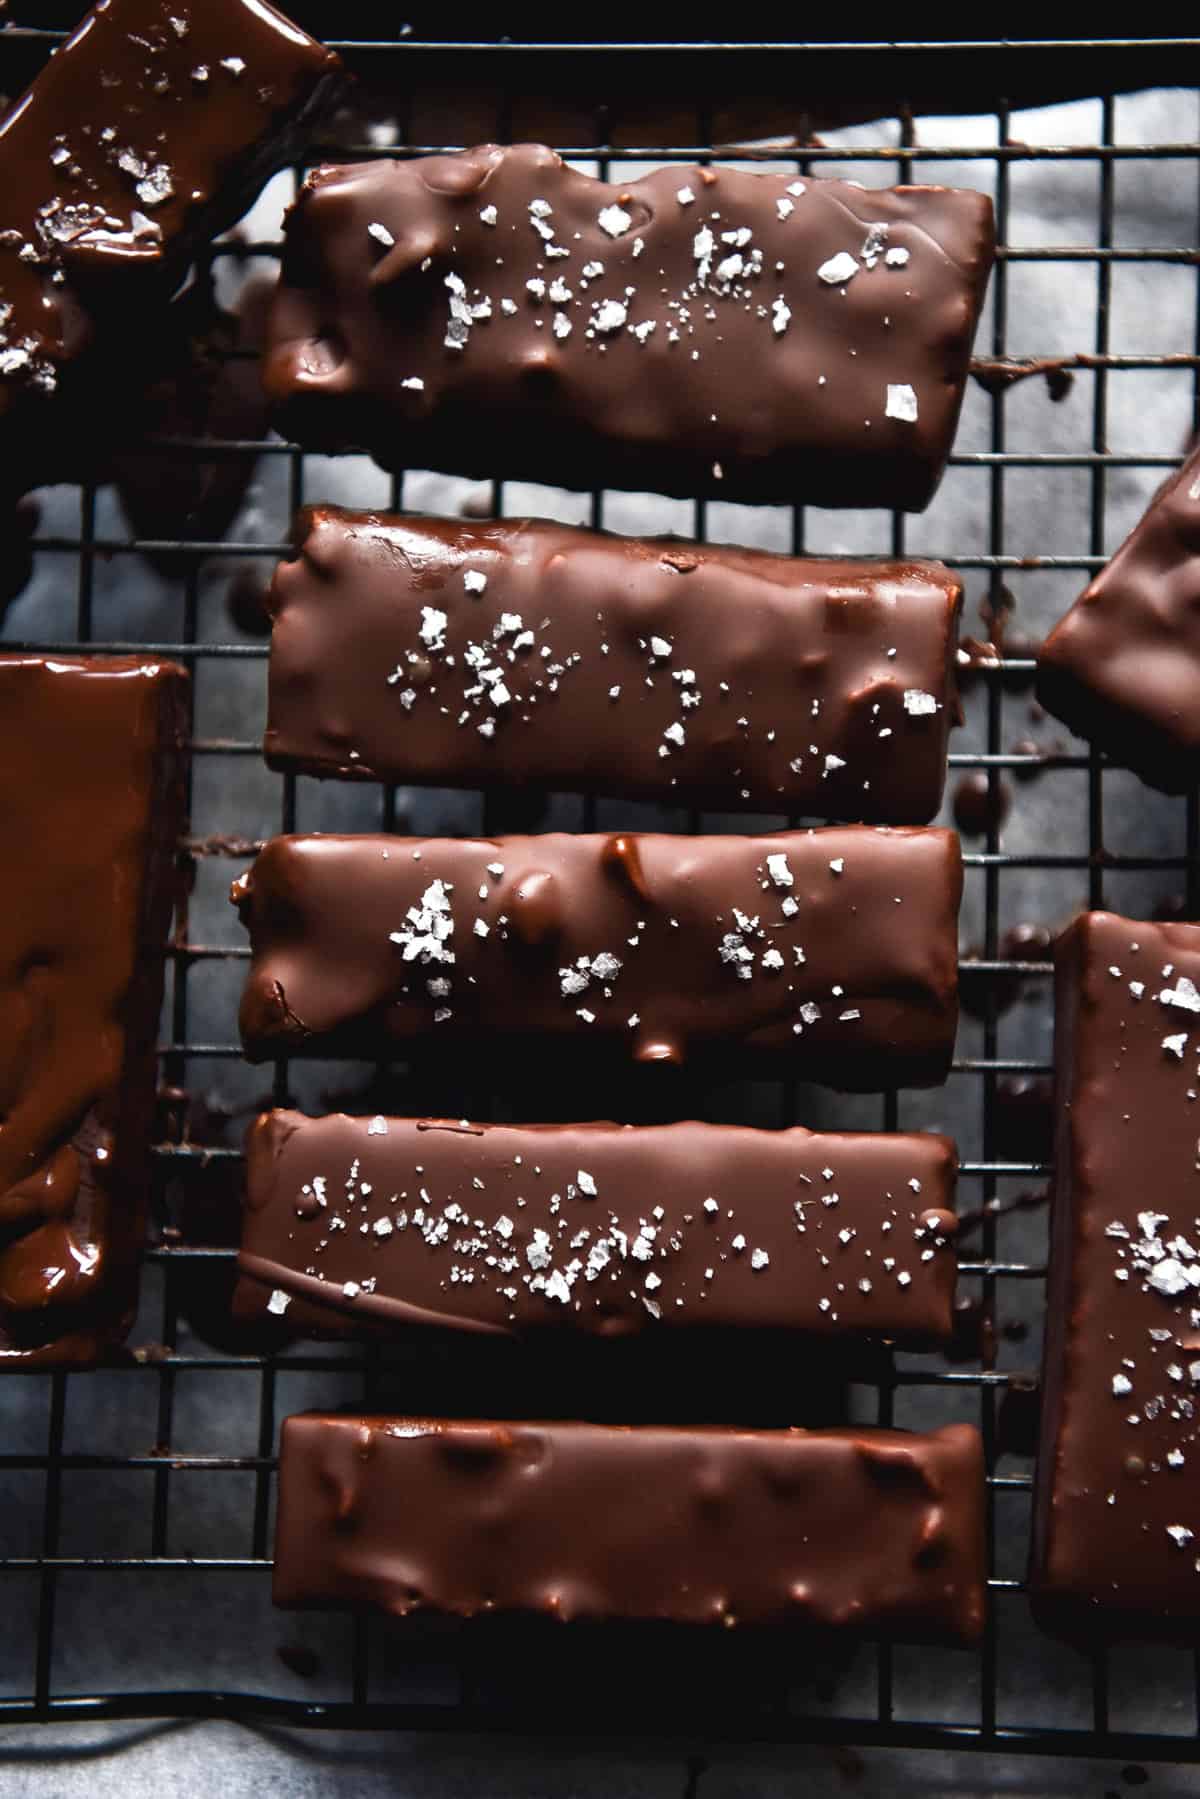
(126, 1516)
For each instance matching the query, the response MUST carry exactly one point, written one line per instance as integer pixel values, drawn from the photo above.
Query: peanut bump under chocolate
(1117, 1507)
(832, 952)
(148, 131)
(366, 1224)
(876, 1532)
(695, 331)
(1123, 666)
(521, 652)
(92, 752)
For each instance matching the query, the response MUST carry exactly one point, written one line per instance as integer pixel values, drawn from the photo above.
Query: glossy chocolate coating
(637, 940)
(1117, 1520)
(874, 1531)
(595, 334)
(357, 1224)
(1123, 667)
(92, 796)
(566, 657)
(145, 133)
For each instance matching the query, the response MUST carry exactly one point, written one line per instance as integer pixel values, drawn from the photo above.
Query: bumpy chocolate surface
(834, 949)
(363, 1223)
(1117, 1532)
(869, 1530)
(527, 653)
(92, 793)
(147, 131)
(697, 331)
(1123, 667)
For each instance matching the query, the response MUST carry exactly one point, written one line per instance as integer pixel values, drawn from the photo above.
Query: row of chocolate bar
(701, 331)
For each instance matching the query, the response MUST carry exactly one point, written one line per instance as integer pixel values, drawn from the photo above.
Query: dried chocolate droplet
(981, 803)
(246, 602)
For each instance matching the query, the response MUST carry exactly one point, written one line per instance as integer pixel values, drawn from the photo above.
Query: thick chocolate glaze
(149, 130)
(1117, 1517)
(1123, 667)
(837, 955)
(496, 312)
(875, 1531)
(91, 799)
(521, 652)
(380, 1223)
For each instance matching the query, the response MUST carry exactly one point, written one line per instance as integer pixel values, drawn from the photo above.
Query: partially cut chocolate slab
(148, 131)
(1117, 1521)
(1123, 667)
(696, 331)
(525, 653)
(872, 1531)
(832, 951)
(360, 1224)
(92, 754)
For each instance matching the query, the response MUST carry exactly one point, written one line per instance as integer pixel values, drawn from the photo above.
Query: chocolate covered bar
(92, 753)
(147, 132)
(1123, 667)
(381, 1223)
(527, 653)
(876, 1531)
(697, 331)
(834, 950)
(1117, 1521)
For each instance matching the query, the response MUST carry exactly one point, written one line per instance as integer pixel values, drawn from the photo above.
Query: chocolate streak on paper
(357, 1224)
(831, 952)
(1117, 1511)
(698, 331)
(869, 1531)
(521, 652)
(91, 800)
(1123, 667)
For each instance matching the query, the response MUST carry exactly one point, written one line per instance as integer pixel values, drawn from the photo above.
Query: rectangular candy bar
(876, 1531)
(355, 1224)
(92, 754)
(1123, 667)
(697, 331)
(834, 949)
(147, 132)
(526, 653)
(1117, 1523)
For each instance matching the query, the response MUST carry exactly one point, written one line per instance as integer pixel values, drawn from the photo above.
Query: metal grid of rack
(979, 1716)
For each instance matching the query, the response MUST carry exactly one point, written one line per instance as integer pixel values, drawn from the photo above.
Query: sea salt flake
(473, 581)
(839, 269)
(377, 1127)
(759, 1259)
(279, 1302)
(1183, 995)
(919, 704)
(901, 403)
(614, 220)
(381, 234)
(609, 316)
